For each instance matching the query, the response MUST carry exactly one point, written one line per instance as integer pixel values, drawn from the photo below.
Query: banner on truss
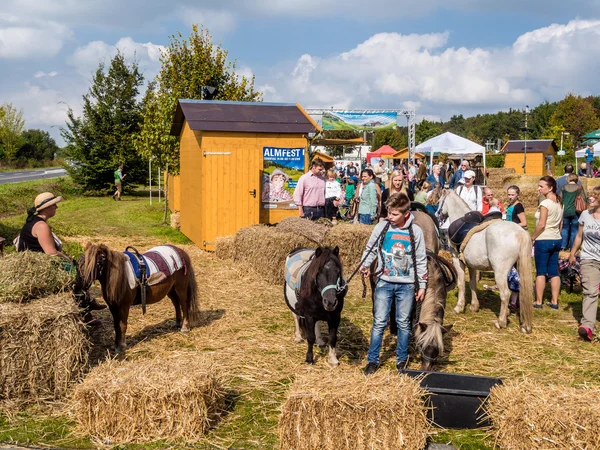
(334, 120)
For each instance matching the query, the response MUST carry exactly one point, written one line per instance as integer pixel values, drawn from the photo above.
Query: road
(29, 175)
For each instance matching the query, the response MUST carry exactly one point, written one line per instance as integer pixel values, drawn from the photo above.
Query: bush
(495, 160)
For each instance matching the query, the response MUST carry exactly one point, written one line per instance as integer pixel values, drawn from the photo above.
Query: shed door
(230, 189)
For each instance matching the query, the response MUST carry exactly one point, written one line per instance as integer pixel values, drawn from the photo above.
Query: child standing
(350, 190)
(333, 194)
(399, 247)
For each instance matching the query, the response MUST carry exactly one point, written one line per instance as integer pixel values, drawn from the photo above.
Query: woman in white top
(588, 238)
(547, 241)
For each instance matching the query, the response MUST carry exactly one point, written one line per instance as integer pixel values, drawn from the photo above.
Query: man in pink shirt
(309, 194)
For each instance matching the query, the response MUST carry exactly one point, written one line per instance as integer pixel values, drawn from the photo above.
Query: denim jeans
(386, 293)
(546, 257)
(570, 227)
(365, 219)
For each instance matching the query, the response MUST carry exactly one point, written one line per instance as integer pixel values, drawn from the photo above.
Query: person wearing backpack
(572, 209)
(470, 193)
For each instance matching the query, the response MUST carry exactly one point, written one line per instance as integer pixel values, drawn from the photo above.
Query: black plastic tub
(456, 399)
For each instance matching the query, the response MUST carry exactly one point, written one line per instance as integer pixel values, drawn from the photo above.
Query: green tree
(540, 119)
(11, 128)
(188, 65)
(102, 138)
(576, 115)
(394, 137)
(426, 130)
(455, 125)
(38, 146)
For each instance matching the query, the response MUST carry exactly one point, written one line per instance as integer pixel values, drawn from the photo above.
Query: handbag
(580, 203)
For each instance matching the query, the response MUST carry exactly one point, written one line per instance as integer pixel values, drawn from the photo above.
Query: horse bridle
(439, 214)
(339, 286)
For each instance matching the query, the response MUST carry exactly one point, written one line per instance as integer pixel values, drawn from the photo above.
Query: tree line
(20, 147)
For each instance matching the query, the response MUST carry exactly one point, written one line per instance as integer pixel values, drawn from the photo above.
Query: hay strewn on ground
(43, 348)
(526, 415)
(336, 410)
(224, 247)
(174, 398)
(265, 249)
(28, 275)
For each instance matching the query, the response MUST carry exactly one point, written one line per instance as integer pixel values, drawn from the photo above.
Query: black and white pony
(314, 290)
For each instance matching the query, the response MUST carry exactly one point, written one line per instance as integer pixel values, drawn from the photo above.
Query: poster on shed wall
(283, 167)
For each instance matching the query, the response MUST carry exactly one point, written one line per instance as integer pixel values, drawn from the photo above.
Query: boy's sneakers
(371, 368)
(585, 333)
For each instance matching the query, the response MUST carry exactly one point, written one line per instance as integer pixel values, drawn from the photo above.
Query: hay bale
(174, 398)
(312, 231)
(352, 240)
(43, 348)
(526, 415)
(224, 247)
(29, 275)
(176, 221)
(265, 249)
(336, 410)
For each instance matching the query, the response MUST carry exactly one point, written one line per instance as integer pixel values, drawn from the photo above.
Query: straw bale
(178, 398)
(29, 275)
(337, 410)
(265, 249)
(352, 240)
(224, 247)
(43, 348)
(310, 230)
(176, 221)
(527, 415)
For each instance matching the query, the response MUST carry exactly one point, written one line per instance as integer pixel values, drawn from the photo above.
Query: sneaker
(585, 333)
(371, 368)
(401, 366)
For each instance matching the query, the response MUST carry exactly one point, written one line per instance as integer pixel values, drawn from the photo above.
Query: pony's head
(323, 278)
(107, 266)
(429, 333)
(442, 212)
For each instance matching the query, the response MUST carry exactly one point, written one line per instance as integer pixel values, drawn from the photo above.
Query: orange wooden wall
(218, 173)
(536, 163)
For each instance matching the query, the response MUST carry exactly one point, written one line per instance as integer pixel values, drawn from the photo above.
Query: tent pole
(484, 170)
(431, 160)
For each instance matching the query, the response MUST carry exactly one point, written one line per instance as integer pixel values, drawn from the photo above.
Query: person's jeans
(386, 293)
(545, 254)
(314, 212)
(590, 171)
(365, 219)
(569, 231)
(411, 186)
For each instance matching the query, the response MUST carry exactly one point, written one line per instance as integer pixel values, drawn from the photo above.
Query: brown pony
(109, 268)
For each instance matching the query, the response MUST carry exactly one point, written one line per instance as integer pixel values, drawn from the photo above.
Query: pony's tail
(192, 292)
(524, 268)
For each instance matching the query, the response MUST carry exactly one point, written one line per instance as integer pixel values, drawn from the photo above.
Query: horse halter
(439, 214)
(339, 286)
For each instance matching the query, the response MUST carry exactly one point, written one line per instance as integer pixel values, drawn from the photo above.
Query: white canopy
(452, 144)
(581, 153)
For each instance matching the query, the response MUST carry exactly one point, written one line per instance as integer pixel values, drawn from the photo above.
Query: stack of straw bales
(174, 398)
(265, 248)
(28, 275)
(224, 247)
(525, 415)
(43, 348)
(335, 410)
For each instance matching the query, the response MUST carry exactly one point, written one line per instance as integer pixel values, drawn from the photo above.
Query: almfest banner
(283, 167)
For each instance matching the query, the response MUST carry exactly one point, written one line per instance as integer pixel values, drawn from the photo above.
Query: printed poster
(338, 120)
(283, 167)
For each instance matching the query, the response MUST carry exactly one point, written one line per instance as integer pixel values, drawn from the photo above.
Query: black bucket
(456, 399)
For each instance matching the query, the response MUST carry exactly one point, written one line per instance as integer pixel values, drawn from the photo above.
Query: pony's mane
(307, 286)
(432, 309)
(115, 278)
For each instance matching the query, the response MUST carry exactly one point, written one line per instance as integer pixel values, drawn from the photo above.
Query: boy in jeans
(399, 247)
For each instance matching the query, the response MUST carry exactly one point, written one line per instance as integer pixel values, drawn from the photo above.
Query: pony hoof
(526, 330)
(185, 330)
(458, 309)
(473, 308)
(499, 324)
(334, 363)
(310, 362)
(298, 340)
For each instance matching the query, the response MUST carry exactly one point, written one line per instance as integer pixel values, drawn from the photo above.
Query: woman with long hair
(588, 238)
(397, 185)
(369, 199)
(547, 240)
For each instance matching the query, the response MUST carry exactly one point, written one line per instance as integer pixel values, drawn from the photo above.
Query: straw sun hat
(45, 200)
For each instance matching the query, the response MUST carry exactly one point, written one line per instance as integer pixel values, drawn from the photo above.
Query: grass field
(247, 329)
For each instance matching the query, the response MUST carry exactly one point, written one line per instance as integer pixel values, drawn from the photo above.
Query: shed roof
(533, 146)
(243, 117)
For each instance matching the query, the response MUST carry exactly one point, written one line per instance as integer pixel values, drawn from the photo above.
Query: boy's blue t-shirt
(589, 155)
(397, 253)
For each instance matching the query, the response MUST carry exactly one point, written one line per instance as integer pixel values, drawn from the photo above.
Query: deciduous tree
(575, 115)
(11, 127)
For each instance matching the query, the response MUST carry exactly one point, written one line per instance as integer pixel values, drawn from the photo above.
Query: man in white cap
(471, 193)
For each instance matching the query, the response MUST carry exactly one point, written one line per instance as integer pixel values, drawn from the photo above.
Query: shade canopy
(324, 141)
(385, 151)
(592, 135)
(403, 154)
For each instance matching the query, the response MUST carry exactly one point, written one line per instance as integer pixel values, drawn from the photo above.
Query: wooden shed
(231, 154)
(541, 156)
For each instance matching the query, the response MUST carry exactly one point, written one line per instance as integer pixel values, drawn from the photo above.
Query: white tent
(452, 144)
(581, 154)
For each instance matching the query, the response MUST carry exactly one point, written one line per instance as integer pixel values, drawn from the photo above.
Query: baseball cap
(469, 174)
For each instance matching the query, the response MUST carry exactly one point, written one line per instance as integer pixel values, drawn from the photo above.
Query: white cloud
(22, 38)
(217, 21)
(390, 70)
(86, 59)
(41, 74)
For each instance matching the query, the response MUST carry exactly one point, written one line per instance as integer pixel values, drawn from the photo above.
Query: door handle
(252, 193)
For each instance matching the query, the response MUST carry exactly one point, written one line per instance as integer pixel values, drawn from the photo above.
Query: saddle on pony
(459, 229)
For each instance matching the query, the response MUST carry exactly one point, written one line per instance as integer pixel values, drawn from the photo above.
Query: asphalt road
(29, 175)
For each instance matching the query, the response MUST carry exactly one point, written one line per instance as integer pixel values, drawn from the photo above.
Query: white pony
(497, 248)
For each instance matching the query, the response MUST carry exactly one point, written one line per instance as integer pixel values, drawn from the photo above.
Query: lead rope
(413, 254)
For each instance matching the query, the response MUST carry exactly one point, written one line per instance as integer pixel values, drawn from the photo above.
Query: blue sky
(439, 57)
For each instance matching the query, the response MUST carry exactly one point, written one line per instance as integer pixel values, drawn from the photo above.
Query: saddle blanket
(164, 258)
(296, 264)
